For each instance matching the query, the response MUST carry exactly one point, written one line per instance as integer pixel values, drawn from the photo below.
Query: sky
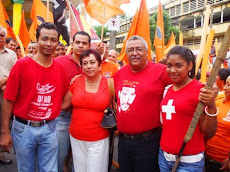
(131, 8)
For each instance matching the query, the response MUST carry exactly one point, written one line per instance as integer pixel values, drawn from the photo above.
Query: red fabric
(185, 101)
(71, 68)
(141, 93)
(36, 91)
(88, 111)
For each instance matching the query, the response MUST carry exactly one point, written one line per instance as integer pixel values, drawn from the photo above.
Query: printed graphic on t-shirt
(169, 109)
(227, 118)
(107, 74)
(127, 95)
(42, 102)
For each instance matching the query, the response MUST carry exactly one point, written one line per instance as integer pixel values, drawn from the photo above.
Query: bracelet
(215, 114)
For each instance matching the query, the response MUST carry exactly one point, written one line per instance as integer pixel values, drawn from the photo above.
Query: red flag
(23, 32)
(140, 27)
(83, 25)
(5, 22)
(159, 35)
(103, 10)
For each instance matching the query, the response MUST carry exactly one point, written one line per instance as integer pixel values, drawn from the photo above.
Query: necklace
(93, 84)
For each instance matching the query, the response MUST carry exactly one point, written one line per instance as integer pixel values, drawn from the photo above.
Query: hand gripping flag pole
(199, 109)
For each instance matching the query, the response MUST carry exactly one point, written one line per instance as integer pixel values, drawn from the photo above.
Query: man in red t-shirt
(139, 90)
(34, 94)
(71, 64)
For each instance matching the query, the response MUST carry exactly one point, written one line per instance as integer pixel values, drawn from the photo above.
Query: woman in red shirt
(178, 107)
(89, 96)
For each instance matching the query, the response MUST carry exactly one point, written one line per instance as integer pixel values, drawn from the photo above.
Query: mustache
(135, 58)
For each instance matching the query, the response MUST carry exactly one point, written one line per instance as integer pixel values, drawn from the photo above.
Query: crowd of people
(57, 97)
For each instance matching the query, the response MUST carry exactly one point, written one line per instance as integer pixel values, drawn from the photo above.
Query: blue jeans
(139, 154)
(63, 121)
(35, 146)
(166, 166)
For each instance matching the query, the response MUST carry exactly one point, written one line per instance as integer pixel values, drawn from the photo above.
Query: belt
(141, 135)
(32, 123)
(186, 159)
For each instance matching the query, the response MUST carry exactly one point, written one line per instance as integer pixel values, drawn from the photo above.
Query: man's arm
(5, 137)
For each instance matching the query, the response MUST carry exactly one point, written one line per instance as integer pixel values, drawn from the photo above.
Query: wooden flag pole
(203, 37)
(181, 39)
(102, 28)
(199, 109)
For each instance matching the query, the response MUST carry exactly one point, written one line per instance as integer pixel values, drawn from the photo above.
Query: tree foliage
(98, 31)
(168, 27)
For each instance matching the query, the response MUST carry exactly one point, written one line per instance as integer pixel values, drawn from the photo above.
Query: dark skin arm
(5, 138)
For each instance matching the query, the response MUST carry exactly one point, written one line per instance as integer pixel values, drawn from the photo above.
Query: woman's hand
(207, 97)
(225, 165)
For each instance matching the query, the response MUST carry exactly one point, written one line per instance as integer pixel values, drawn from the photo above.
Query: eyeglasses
(138, 50)
(2, 35)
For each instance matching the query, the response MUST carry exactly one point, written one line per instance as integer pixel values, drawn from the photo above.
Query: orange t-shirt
(218, 147)
(88, 111)
(108, 68)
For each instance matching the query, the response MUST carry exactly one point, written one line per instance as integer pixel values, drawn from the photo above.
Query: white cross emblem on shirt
(169, 109)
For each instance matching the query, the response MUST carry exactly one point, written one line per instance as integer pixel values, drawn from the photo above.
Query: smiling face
(227, 88)
(178, 69)
(137, 54)
(47, 41)
(90, 66)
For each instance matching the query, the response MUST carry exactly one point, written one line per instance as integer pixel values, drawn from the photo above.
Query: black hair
(224, 73)
(88, 52)
(186, 54)
(10, 39)
(46, 25)
(82, 33)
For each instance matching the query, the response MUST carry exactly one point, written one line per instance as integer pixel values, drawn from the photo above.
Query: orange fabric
(218, 147)
(88, 111)
(108, 68)
(159, 35)
(103, 10)
(220, 95)
(23, 32)
(171, 43)
(140, 27)
(38, 15)
(5, 21)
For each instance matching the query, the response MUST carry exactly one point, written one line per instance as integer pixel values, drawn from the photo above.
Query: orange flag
(171, 43)
(140, 27)
(23, 32)
(38, 16)
(159, 35)
(5, 22)
(103, 10)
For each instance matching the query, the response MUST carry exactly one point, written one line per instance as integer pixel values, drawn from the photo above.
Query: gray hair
(4, 30)
(135, 37)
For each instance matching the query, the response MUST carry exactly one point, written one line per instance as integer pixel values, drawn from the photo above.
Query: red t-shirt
(138, 97)
(70, 66)
(35, 90)
(88, 110)
(180, 107)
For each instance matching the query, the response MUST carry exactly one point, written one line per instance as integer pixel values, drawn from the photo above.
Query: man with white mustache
(141, 83)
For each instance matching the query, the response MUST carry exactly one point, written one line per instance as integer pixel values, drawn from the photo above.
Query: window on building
(190, 42)
(226, 15)
(216, 18)
(172, 11)
(186, 7)
(197, 41)
(198, 22)
(200, 3)
(218, 1)
(192, 5)
(211, 1)
(178, 9)
(167, 10)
